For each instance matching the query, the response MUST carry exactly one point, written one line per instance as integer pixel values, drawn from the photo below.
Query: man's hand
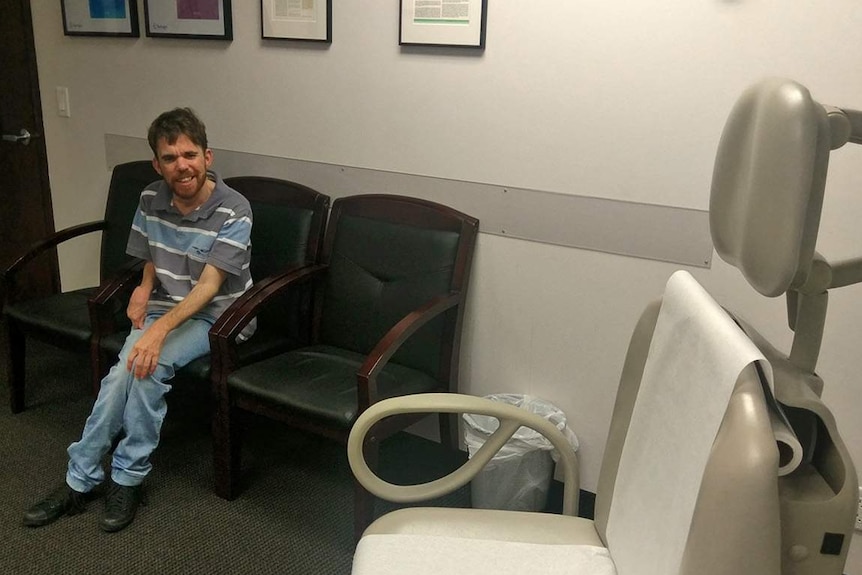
(144, 357)
(137, 308)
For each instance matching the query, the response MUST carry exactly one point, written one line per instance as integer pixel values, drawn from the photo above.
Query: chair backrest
(127, 182)
(388, 255)
(289, 222)
(740, 526)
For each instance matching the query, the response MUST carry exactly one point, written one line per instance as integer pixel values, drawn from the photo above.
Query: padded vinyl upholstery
(127, 183)
(768, 184)
(279, 236)
(321, 380)
(378, 273)
(58, 314)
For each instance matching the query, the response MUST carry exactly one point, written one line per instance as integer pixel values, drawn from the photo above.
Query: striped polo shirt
(217, 233)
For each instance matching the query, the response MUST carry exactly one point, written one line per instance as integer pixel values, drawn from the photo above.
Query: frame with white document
(443, 23)
(309, 20)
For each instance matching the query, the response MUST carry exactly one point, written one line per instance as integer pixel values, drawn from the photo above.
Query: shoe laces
(120, 497)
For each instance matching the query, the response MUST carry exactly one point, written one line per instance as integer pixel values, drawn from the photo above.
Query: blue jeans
(137, 407)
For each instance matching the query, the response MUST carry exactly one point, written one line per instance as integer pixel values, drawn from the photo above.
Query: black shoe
(63, 501)
(121, 503)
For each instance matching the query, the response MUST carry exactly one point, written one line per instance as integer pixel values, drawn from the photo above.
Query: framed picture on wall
(443, 23)
(296, 20)
(100, 18)
(204, 19)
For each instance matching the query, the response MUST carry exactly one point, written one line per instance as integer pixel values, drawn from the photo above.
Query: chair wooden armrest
(119, 285)
(511, 419)
(7, 279)
(394, 338)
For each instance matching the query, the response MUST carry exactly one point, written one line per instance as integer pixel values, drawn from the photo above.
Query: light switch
(63, 102)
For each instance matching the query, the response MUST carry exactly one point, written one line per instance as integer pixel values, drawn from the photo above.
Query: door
(25, 194)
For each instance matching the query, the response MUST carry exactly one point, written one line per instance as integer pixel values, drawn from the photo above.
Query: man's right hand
(137, 309)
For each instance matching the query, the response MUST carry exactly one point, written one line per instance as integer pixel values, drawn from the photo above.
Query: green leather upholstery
(388, 300)
(127, 183)
(378, 272)
(63, 315)
(63, 319)
(320, 380)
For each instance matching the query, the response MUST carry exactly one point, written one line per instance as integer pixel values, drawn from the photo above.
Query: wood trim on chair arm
(225, 330)
(126, 279)
(123, 282)
(52, 241)
(389, 344)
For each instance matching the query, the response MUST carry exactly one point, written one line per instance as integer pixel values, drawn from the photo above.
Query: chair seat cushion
(262, 344)
(64, 315)
(496, 524)
(321, 381)
(430, 555)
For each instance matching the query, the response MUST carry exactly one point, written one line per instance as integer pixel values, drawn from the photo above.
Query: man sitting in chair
(193, 232)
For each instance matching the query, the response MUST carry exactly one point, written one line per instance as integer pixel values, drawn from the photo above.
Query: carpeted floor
(294, 515)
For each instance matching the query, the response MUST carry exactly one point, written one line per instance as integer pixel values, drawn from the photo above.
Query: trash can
(518, 477)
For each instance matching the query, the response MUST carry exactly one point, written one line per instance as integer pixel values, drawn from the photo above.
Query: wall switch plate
(63, 102)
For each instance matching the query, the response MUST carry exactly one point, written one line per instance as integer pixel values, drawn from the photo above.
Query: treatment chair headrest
(768, 183)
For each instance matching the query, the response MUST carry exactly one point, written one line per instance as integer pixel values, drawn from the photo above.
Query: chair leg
(363, 501)
(97, 366)
(227, 442)
(15, 352)
(449, 430)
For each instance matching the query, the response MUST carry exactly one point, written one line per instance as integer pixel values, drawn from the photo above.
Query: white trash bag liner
(519, 475)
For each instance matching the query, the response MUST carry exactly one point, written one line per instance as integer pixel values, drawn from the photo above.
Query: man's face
(183, 165)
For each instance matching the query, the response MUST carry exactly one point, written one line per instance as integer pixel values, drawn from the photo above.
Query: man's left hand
(144, 357)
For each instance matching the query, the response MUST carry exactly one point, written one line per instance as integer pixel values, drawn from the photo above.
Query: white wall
(614, 99)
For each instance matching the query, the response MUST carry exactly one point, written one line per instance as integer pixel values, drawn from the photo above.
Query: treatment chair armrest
(511, 419)
(8, 276)
(394, 338)
(224, 332)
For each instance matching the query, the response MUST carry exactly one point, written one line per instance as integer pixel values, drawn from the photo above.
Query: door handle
(23, 137)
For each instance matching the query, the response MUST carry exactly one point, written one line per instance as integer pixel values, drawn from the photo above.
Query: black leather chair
(388, 301)
(62, 319)
(289, 220)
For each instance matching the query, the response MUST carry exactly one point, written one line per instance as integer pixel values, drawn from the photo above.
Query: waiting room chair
(778, 491)
(63, 319)
(287, 233)
(388, 301)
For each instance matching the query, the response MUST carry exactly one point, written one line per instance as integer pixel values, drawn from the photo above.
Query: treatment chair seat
(320, 380)
(430, 555)
(489, 524)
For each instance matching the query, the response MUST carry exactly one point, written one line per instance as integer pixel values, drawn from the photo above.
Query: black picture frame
(450, 24)
(311, 22)
(197, 19)
(85, 18)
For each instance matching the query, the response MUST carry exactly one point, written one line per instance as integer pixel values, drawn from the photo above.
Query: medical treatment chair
(721, 457)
